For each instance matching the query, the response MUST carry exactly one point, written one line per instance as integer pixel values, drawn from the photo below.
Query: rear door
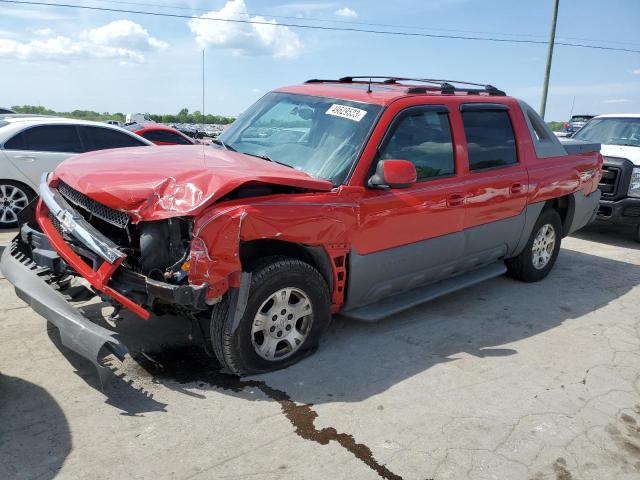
(42, 148)
(496, 187)
(410, 236)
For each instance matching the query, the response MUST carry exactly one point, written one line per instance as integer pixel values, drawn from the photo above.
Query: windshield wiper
(217, 141)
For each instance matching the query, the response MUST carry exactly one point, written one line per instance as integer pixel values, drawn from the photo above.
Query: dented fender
(309, 220)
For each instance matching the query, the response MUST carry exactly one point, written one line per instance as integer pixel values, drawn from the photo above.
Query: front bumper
(35, 256)
(77, 332)
(624, 211)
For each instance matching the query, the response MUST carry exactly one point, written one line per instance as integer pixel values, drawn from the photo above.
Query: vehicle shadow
(34, 433)
(614, 235)
(358, 360)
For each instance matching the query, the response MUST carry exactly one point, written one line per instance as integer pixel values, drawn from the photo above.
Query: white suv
(31, 145)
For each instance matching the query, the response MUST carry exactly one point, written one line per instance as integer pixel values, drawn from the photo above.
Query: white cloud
(124, 34)
(265, 37)
(346, 12)
(636, 71)
(41, 32)
(121, 39)
(617, 100)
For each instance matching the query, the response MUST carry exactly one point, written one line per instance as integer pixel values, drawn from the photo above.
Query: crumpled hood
(153, 183)
(622, 151)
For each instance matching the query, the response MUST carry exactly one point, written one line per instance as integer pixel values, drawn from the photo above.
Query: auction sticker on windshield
(344, 111)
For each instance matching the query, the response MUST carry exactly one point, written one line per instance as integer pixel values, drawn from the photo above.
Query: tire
(241, 352)
(532, 265)
(636, 233)
(14, 196)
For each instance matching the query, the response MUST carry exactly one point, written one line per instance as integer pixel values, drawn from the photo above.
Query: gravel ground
(503, 380)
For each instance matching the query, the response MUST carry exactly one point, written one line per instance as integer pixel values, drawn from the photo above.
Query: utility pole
(547, 71)
(202, 116)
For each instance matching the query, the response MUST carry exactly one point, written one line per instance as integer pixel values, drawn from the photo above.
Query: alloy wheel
(282, 324)
(543, 246)
(12, 200)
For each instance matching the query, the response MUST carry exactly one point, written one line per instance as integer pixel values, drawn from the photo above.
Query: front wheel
(287, 312)
(540, 254)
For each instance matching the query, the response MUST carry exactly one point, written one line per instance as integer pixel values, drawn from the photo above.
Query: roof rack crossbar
(446, 86)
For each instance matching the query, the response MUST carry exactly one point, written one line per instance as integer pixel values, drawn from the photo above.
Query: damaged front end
(143, 267)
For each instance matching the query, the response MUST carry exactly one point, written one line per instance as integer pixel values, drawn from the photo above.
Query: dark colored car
(576, 123)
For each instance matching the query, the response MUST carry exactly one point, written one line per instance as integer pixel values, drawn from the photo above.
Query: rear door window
(99, 138)
(52, 138)
(490, 139)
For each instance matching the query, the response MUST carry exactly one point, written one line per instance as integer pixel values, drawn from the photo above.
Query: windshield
(317, 135)
(611, 131)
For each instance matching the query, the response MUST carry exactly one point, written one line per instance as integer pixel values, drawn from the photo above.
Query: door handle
(455, 199)
(25, 158)
(516, 188)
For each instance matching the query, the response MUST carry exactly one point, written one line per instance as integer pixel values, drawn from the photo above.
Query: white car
(619, 136)
(31, 145)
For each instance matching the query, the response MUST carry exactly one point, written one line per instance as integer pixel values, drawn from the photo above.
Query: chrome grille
(97, 209)
(56, 224)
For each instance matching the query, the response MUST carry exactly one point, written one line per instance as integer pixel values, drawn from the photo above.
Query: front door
(41, 149)
(411, 236)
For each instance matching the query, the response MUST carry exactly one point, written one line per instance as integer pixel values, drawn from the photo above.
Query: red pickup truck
(363, 196)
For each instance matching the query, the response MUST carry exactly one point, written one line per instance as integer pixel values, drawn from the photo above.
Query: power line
(316, 27)
(353, 22)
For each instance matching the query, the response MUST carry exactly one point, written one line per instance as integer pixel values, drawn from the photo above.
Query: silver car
(31, 145)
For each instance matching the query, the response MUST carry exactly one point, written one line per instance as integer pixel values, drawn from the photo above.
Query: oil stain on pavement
(190, 365)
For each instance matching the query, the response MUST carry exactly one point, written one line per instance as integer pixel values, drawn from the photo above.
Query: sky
(67, 59)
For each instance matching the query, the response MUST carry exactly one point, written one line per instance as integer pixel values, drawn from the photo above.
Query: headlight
(634, 185)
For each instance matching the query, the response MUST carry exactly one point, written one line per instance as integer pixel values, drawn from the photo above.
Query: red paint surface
(154, 184)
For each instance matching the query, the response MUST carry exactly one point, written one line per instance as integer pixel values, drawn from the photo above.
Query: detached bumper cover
(76, 331)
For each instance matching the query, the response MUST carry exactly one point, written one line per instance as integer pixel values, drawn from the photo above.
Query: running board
(403, 301)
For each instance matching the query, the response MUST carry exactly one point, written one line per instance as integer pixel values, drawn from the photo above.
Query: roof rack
(446, 87)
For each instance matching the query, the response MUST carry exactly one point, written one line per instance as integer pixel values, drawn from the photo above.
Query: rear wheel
(287, 312)
(540, 254)
(14, 197)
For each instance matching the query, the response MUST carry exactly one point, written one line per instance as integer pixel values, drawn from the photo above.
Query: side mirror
(394, 174)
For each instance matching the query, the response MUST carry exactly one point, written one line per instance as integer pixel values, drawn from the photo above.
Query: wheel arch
(565, 206)
(21, 183)
(314, 255)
